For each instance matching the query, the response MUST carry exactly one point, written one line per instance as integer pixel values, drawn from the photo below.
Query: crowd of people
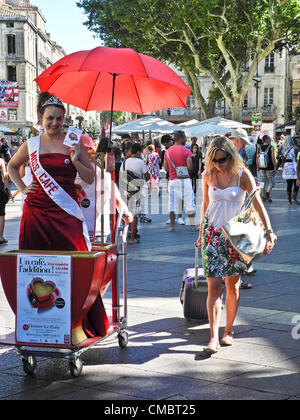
(262, 156)
(231, 167)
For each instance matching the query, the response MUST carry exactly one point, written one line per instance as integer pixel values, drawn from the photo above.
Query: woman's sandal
(227, 339)
(212, 347)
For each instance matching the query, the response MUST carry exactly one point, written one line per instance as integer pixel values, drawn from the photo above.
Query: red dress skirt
(45, 226)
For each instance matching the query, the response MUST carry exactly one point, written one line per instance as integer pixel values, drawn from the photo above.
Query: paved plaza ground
(164, 359)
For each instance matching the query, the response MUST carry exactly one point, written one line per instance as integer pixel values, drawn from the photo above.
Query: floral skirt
(218, 256)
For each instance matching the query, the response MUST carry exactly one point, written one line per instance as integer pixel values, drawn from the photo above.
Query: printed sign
(43, 299)
(269, 129)
(3, 114)
(72, 137)
(9, 94)
(257, 119)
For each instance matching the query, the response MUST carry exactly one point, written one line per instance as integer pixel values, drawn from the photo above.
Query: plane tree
(222, 39)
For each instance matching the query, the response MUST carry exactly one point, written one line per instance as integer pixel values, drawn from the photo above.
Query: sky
(65, 24)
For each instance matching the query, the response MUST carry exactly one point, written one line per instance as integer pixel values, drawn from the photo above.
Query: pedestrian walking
(240, 139)
(178, 161)
(153, 162)
(298, 170)
(166, 143)
(197, 165)
(241, 142)
(4, 150)
(251, 158)
(267, 166)
(289, 171)
(225, 184)
(5, 195)
(133, 173)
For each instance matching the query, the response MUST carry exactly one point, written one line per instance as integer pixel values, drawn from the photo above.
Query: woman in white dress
(289, 171)
(225, 184)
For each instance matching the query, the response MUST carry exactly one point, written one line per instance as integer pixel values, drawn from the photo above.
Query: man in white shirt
(139, 169)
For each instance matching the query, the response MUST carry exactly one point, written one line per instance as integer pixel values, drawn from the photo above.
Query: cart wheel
(29, 364)
(76, 368)
(123, 339)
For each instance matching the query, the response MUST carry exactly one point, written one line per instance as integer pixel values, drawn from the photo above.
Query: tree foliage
(218, 38)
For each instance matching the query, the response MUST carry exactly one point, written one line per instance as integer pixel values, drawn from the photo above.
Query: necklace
(223, 186)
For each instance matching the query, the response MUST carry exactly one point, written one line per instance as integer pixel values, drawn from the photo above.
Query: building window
(12, 73)
(10, 24)
(245, 101)
(268, 96)
(191, 102)
(270, 63)
(11, 44)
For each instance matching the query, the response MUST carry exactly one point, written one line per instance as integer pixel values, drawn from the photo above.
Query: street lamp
(257, 81)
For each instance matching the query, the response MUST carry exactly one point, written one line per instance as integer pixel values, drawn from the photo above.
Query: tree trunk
(237, 110)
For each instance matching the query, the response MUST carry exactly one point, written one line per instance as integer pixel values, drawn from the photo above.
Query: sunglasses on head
(220, 161)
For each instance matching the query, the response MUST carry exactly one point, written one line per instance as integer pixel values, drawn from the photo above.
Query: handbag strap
(249, 199)
(171, 160)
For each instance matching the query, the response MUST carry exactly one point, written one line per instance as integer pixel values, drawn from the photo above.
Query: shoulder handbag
(246, 232)
(182, 172)
(129, 182)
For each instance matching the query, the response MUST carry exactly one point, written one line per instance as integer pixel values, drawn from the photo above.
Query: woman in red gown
(45, 225)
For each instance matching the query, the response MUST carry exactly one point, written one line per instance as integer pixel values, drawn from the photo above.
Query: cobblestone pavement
(164, 359)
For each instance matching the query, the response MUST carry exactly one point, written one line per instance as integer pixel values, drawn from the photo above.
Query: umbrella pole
(102, 198)
(112, 108)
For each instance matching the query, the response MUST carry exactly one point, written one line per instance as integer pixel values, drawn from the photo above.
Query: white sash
(53, 189)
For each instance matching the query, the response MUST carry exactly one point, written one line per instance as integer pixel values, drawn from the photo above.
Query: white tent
(189, 123)
(206, 130)
(150, 123)
(224, 122)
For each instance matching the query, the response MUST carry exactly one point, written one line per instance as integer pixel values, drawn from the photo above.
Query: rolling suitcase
(194, 292)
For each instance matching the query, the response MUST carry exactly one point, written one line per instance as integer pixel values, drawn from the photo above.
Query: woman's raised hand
(30, 188)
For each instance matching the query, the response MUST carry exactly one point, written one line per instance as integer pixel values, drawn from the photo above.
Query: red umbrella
(114, 79)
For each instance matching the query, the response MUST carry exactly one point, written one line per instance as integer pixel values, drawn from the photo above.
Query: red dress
(45, 226)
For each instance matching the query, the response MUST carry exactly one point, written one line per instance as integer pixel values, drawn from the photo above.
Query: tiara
(53, 101)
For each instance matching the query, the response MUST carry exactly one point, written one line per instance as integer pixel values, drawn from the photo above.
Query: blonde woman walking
(225, 184)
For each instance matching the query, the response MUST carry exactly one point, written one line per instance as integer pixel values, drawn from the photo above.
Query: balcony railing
(196, 113)
(267, 110)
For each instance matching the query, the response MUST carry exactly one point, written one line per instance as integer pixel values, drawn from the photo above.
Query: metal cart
(99, 268)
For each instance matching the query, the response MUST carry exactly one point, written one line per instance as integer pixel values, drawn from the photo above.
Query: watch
(269, 231)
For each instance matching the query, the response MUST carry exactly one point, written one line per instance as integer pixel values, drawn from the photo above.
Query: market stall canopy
(6, 130)
(150, 123)
(189, 123)
(206, 130)
(224, 122)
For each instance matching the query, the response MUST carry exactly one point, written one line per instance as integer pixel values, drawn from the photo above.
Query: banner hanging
(9, 94)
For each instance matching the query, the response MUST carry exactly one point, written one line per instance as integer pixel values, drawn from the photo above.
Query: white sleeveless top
(224, 204)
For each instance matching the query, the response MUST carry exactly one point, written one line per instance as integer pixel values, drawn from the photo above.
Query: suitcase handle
(195, 283)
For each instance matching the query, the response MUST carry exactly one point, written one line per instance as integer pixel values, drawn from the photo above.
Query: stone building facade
(26, 50)
(275, 90)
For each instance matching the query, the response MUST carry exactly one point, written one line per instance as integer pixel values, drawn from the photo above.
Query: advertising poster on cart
(43, 299)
